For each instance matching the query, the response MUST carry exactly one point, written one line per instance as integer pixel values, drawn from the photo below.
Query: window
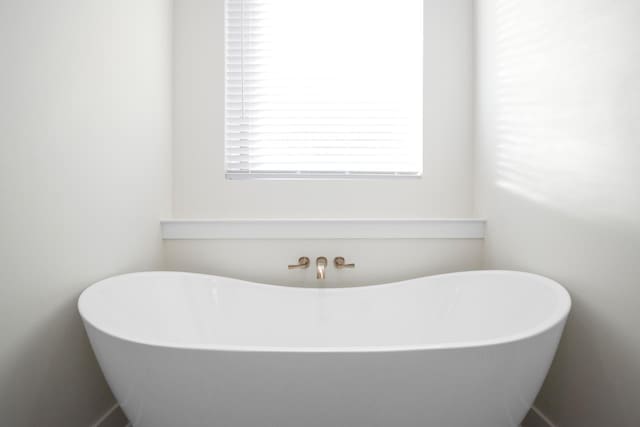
(323, 88)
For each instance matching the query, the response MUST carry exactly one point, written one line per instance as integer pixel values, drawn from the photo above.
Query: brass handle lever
(303, 262)
(340, 263)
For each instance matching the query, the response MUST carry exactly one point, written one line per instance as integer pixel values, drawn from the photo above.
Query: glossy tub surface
(456, 350)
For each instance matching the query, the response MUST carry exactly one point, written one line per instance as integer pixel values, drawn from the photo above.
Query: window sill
(334, 228)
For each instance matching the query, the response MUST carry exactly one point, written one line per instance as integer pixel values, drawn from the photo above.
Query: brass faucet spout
(321, 266)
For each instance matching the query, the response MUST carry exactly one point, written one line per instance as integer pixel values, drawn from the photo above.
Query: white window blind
(323, 88)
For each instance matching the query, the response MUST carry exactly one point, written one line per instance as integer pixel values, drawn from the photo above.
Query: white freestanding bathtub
(456, 350)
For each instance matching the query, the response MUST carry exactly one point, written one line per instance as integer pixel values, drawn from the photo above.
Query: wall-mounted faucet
(321, 266)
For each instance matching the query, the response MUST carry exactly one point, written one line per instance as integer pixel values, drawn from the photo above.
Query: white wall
(84, 178)
(558, 160)
(377, 261)
(201, 191)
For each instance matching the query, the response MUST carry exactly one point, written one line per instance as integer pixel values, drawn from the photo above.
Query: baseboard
(114, 417)
(535, 418)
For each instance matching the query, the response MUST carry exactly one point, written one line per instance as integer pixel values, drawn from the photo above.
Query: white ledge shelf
(335, 228)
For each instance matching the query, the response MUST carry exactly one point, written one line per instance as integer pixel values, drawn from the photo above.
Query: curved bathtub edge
(558, 319)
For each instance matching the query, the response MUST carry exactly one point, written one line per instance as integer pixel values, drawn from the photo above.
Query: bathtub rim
(558, 317)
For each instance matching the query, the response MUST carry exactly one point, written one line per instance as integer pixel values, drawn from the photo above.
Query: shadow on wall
(559, 143)
(568, 105)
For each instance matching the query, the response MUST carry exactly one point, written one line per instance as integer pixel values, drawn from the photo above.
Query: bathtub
(456, 350)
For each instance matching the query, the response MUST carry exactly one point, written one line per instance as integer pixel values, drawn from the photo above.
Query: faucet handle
(340, 263)
(303, 262)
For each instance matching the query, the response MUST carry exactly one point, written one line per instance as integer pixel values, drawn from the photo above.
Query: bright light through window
(323, 88)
